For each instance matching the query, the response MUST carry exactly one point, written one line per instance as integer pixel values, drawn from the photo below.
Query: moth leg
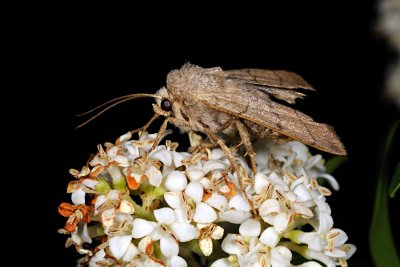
(245, 136)
(160, 133)
(144, 128)
(179, 123)
(233, 163)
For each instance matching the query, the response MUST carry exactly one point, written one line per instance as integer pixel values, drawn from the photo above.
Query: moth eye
(166, 105)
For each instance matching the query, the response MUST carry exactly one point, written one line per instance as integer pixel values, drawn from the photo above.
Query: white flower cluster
(163, 209)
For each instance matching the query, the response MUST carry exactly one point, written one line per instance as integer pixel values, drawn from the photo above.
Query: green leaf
(395, 183)
(381, 241)
(333, 163)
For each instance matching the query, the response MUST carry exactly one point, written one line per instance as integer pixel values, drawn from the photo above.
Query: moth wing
(277, 83)
(271, 78)
(258, 108)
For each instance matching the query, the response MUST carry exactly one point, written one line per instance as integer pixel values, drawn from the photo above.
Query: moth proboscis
(238, 104)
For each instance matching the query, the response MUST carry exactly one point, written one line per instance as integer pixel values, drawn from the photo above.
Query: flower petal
(234, 216)
(175, 181)
(121, 161)
(204, 213)
(184, 232)
(174, 199)
(217, 233)
(84, 233)
(194, 190)
(325, 222)
(239, 203)
(169, 247)
(250, 227)
(332, 181)
(126, 207)
(164, 215)
(162, 155)
(130, 253)
(270, 207)
(276, 180)
(107, 218)
(154, 175)
(178, 157)
(141, 228)
(90, 183)
(100, 201)
(177, 261)
(302, 193)
(269, 237)
(260, 182)
(303, 211)
(123, 138)
(281, 222)
(218, 201)
(115, 173)
(234, 244)
(300, 149)
(338, 236)
(195, 175)
(350, 250)
(206, 246)
(335, 253)
(224, 262)
(119, 245)
(312, 239)
(181, 215)
(78, 197)
(281, 257)
(98, 257)
(212, 165)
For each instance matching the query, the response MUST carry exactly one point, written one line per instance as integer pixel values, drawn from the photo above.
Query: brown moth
(236, 103)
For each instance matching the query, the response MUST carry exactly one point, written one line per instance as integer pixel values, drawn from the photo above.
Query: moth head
(170, 105)
(163, 102)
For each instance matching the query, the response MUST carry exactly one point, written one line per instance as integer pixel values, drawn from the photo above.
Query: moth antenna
(115, 99)
(123, 99)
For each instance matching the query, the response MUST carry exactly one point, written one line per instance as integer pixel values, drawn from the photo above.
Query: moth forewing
(271, 78)
(287, 121)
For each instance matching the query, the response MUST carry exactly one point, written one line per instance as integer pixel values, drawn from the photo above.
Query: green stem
(152, 195)
(140, 211)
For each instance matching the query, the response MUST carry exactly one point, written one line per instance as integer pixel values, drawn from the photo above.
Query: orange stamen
(206, 196)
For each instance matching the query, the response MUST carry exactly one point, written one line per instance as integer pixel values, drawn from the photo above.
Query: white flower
(238, 212)
(114, 211)
(281, 257)
(168, 229)
(246, 251)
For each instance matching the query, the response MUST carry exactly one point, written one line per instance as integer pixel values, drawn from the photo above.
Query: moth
(241, 104)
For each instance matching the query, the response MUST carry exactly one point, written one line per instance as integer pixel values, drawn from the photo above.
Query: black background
(67, 57)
